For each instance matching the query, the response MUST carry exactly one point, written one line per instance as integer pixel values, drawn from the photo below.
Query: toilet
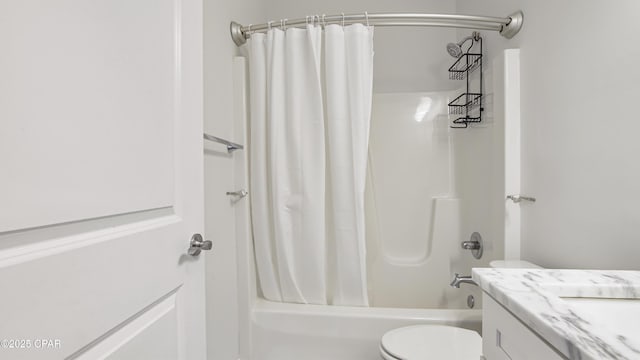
(420, 342)
(424, 342)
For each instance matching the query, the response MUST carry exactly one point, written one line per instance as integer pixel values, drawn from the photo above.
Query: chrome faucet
(471, 245)
(457, 280)
(474, 244)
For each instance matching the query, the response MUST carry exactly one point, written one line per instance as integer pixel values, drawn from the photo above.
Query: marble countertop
(535, 297)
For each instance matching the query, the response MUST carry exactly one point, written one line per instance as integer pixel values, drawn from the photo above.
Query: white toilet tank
(513, 264)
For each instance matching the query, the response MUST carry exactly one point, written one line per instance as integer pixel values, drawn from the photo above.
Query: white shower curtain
(308, 152)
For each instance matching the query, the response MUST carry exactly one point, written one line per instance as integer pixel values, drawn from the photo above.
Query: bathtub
(283, 331)
(425, 259)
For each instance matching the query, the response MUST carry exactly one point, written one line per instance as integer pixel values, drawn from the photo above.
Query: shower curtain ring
(324, 22)
(249, 29)
(284, 24)
(366, 16)
(342, 19)
(269, 24)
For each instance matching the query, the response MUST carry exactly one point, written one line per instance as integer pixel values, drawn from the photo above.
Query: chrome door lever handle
(198, 244)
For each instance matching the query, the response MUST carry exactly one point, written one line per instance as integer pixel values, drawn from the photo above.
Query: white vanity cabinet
(504, 337)
(551, 314)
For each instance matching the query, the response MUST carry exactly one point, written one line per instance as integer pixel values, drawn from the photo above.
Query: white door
(101, 180)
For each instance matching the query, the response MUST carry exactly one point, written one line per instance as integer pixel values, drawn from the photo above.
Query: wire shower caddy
(469, 103)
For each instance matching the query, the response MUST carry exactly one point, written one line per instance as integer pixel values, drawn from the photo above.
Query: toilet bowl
(425, 342)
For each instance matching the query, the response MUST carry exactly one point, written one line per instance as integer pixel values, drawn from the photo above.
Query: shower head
(455, 50)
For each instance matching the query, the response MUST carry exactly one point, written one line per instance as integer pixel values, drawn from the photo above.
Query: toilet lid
(421, 342)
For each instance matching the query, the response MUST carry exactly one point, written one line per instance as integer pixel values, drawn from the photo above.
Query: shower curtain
(310, 111)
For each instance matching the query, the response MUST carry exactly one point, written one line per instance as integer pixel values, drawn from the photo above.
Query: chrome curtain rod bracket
(237, 35)
(507, 27)
(513, 27)
(231, 146)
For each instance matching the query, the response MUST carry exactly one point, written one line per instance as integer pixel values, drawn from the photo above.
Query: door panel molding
(57, 245)
(24, 237)
(118, 337)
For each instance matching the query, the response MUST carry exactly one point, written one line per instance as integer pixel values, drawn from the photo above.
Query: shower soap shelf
(469, 103)
(465, 65)
(465, 102)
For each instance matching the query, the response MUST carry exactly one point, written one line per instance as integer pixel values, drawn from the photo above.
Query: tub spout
(457, 280)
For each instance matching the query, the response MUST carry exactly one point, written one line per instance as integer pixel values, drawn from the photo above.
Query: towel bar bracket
(231, 146)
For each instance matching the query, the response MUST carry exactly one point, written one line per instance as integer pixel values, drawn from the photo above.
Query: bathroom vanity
(532, 314)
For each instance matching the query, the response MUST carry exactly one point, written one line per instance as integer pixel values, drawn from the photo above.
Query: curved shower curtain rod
(507, 27)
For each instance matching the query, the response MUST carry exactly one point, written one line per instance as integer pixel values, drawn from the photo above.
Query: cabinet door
(504, 337)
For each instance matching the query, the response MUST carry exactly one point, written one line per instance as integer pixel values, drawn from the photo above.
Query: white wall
(579, 78)
(221, 265)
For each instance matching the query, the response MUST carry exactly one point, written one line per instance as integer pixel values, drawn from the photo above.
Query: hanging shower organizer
(469, 103)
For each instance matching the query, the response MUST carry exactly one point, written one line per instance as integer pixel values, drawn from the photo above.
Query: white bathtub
(313, 332)
(405, 271)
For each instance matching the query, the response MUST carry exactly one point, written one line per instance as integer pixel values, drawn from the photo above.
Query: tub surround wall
(414, 214)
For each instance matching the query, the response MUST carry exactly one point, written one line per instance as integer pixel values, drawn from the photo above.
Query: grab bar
(231, 146)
